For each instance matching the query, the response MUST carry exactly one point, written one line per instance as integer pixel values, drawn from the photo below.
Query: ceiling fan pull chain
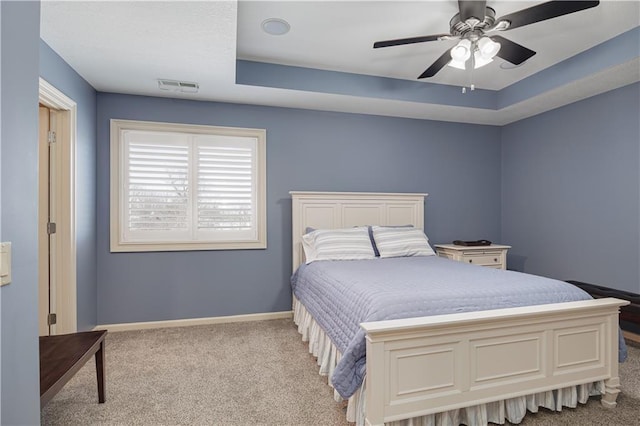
(473, 65)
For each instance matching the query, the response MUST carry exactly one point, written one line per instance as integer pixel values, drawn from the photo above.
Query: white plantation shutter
(186, 190)
(157, 187)
(226, 182)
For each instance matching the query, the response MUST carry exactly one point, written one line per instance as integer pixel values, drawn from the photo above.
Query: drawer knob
(495, 260)
(470, 260)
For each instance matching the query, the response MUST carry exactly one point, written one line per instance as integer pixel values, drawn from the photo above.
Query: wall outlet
(5, 263)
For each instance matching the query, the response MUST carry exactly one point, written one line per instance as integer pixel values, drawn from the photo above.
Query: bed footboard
(420, 366)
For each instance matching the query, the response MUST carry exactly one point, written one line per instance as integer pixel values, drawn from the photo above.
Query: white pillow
(400, 242)
(338, 244)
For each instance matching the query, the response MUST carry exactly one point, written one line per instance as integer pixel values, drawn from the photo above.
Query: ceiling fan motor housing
(472, 25)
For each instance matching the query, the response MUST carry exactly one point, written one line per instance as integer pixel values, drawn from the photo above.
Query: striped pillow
(337, 244)
(400, 242)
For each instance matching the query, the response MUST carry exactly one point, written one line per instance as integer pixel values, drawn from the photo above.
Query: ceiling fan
(475, 24)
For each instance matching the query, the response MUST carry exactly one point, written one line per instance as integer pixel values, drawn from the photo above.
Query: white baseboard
(194, 321)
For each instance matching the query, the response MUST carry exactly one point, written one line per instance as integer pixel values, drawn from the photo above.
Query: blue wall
(58, 73)
(19, 145)
(570, 191)
(457, 164)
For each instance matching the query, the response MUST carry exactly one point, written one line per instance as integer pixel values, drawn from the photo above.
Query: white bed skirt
(513, 409)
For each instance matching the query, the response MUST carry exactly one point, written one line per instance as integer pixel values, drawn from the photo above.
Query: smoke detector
(178, 86)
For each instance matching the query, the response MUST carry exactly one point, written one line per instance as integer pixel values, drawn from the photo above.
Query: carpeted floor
(252, 373)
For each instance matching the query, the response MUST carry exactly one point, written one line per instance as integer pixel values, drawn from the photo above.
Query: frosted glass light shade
(461, 65)
(479, 60)
(461, 51)
(488, 48)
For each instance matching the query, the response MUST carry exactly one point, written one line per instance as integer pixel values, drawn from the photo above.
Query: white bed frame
(420, 366)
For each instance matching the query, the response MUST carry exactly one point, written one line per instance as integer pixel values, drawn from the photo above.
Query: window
(186, 187)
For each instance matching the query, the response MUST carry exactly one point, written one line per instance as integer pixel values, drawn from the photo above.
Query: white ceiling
(124, 47)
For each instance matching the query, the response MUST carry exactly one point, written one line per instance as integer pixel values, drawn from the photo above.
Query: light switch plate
(5, 263)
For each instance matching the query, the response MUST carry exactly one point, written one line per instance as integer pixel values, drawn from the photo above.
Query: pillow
(373, 241)
(337, 244)
(399, 242)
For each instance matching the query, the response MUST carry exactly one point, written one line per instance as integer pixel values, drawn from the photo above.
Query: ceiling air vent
(178, 86)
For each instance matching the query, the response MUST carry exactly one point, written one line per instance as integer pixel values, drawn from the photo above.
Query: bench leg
(100, 372)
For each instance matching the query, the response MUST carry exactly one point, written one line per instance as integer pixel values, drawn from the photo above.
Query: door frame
(64, 296)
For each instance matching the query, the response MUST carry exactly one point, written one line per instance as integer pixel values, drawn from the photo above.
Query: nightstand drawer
(484, 259)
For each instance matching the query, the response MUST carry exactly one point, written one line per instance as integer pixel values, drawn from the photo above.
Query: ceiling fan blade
(437, 65)
(411, 40)
(544, 11)
(472, 8)
(511, 51)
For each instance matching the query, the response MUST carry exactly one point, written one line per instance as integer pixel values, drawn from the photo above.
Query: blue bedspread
(342, 294)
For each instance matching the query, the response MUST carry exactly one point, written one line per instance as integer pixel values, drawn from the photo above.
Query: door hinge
(52, 319)
(51, 137)
(51, 228)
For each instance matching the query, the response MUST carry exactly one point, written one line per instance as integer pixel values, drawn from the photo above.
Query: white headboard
(332, 210)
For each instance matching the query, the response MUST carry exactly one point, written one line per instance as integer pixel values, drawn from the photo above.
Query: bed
(464, 367)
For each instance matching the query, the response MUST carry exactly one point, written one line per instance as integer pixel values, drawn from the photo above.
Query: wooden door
(46, 221)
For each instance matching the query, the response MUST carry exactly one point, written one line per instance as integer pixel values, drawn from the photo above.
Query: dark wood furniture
(62, 356)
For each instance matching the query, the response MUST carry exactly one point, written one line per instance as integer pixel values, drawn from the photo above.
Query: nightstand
(493, 256)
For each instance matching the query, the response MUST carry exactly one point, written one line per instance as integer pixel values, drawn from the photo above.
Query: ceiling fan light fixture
(488, 48)
(467, 25)
(461, 51)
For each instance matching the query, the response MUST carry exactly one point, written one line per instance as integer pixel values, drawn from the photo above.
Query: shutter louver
(225, 199)
(158, 187)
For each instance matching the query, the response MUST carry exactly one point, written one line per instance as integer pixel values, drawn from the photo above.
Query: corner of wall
(20, 29)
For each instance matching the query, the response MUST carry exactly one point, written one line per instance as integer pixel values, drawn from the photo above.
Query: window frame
(118, 243)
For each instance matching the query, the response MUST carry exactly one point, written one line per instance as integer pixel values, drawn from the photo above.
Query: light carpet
(251, 373)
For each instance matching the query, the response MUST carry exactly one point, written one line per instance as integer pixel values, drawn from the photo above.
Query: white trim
(66, 294)
(195, 321)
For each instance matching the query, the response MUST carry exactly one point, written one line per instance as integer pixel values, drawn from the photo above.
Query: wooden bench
(62, 356)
